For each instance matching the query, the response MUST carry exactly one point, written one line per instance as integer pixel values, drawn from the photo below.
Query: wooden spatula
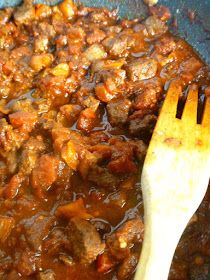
(174, 180)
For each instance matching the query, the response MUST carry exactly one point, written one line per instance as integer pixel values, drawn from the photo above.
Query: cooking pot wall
(196, 33)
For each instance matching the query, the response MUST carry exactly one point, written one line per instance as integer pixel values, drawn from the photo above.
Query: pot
(196, 32)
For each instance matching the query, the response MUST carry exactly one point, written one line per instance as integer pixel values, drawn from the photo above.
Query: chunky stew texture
(80, 92)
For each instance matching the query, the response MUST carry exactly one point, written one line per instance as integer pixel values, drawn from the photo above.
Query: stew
(80, 94)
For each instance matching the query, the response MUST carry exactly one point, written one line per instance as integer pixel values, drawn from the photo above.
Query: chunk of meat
(142, 68)
(127, 267)
(12, 188)
(46, 275)
(25, 13)
(105, 263)
(138, 126)
(165, 45)
(60, 136)
(155, 27)
(23, 119)
(102, 177)
(87, 120)
(31, 150)
(41, 44)
(160, 11)
(45, 173)
(6, 226)
(148, 99)
(71, 112)
(37, 228)
(96, 36)
(85, 240)
(11, 139)
(73, 209)
(26, 265)
(92, 103)
(117, 45)
(119, 242)
(56, 240)
(123, 164)
(118, 110)
(189, 68)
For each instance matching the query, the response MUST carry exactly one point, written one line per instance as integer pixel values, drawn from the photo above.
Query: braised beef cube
(155, 27)
(6, 263)
(26, 265)
(31, 150)
(37, 228)
(189, 68)
(105, 263)
(140, 125)
(200, 272)
(116, 46)
(60, 136)
(5, 15)
(56, 240)
(148, 99)
(140, 149)
(126, 236)
(128, 267)
(45, 173)
(85, 240)
(25, 13)
(123, 164)
(141, 69)
(46, 275)
(96, 36)
(6, 226)
(71, 111)
(87, 120)
(102, 177)
(165, 45)
(23, 119)
(162, 12)
(118, 110)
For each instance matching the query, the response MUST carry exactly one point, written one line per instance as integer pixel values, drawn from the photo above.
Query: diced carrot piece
(43, 11)
(102, 93)
(6, 226)
(87, 120)
(40, 61)
(45, 173)
(61, 69)
(69, 155)
(73, 209)
(68, 8)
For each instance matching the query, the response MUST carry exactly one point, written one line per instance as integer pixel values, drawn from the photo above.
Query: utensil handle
(162, 235)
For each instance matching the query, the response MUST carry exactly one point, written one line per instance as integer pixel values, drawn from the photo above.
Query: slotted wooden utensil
(174, 180)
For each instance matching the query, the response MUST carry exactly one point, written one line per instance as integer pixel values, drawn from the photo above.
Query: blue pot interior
(197, 34)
